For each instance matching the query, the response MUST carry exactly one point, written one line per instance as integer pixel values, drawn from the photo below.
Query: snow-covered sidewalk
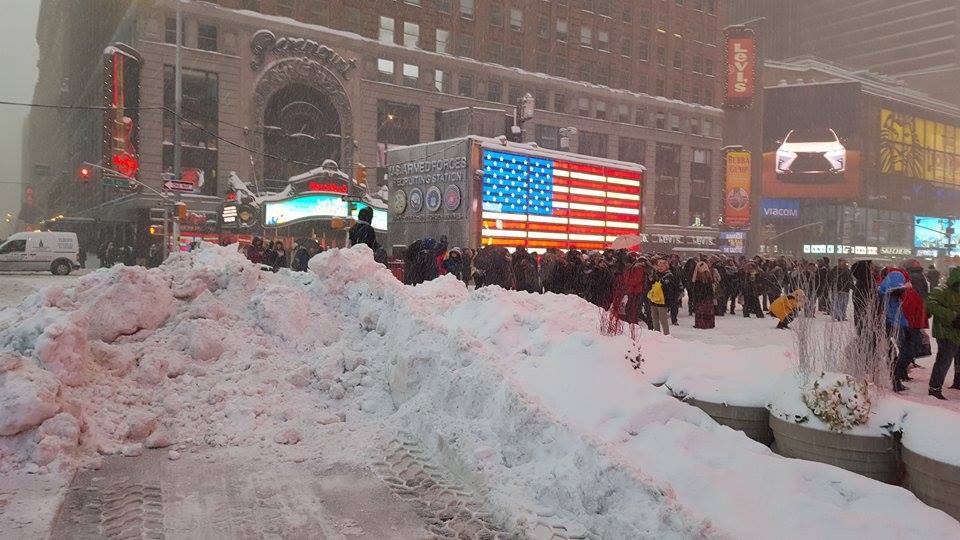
(515, 399)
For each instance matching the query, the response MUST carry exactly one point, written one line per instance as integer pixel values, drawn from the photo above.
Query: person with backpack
(662, 295)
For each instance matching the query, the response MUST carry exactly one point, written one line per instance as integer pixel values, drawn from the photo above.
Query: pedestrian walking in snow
(662, 294)
(362, 231)
(944, 304)
(752, 288)
(702, 296)
(933, 277)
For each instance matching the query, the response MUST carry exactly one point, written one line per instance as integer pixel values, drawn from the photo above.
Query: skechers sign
(780, 209)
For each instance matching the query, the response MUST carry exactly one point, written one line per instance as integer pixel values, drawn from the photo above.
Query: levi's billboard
(740, 83)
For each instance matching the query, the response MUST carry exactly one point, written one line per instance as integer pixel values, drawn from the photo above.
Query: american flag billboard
(542, 202)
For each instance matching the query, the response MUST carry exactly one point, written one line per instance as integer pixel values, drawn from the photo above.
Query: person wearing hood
(362, 231)
(892, 290)
(786, 307)
(493, 267)
(933, 277)
(917, 279)
(453, 263)
(703, 290)
(944, 304)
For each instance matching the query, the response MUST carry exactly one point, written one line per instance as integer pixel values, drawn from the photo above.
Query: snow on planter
(754, 422)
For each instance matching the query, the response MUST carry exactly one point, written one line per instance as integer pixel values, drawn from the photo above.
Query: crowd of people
(652, 289)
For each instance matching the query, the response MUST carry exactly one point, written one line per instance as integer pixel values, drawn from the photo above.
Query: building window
(411, 34)
(677, 91)
(592, 144)
(496, 16)
(661, 56)
(695, 94)
(285, 8)
(708, 66)
(643, 51)
(661, 120)
(494, 52)
(678, 59)
(411, 75)
(514, 56)
(667, 195)
(632, 150)
(516, 19)
(467, 9)
(601, 111)
(712, 7)
(560, 67)
(640, 117)
(708, 127)
(443, 38)
(625, 47)
(562, 30)
(386, 30)
(645, 18)
(625, 80)
(560, 103)
(623, 113)
(465, 86)
(398, 123)
(603, 40)
(627, 16)
(514, 94)
(384, 70)
(199, 124)
(583, 106)
(700, 179)
(603, 77)
(661, 87)
(441, 83)
(170, 31)
(543, 63)
(548, 137)
(443, 6)
(697, 64)
(543, 26)
(674, 122)
(586, 36)
(586, 72)
(494, 91)
(695, 125)
(540, 99)
(708, 97)
(465, 45)
(642, 83)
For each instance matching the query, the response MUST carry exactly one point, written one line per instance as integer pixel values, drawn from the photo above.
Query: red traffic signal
(85, 173)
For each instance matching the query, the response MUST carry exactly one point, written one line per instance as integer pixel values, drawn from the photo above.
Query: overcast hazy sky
(18, 59)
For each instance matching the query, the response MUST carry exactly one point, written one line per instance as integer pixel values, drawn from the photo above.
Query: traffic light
(361, 175)
(85, 172)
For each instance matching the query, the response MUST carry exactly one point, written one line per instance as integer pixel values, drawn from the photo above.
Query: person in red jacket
(915, 312)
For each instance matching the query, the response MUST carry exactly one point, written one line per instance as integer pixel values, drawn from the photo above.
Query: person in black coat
(917, 278)
(420, 263)
(362, 231)
(751, 288)
(493, 267)
(864, 294)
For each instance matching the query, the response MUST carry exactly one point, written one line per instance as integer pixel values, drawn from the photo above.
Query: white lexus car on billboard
(811, 155)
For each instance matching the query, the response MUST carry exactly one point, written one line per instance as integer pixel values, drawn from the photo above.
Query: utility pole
(177, 108)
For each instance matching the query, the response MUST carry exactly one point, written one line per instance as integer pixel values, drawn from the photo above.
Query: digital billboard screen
(811, 141)
(315, 206)
(931, 232)
(542, 202)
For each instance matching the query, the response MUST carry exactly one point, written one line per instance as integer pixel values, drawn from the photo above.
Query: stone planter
(753, 421)
(933, 482)
(876, 457)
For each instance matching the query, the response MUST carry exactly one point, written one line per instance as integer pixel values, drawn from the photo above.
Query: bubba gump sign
(740, 82)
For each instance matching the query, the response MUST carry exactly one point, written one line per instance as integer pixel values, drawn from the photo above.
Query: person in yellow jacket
(786, 307)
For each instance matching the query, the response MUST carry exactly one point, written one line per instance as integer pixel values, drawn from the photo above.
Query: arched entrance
(301, 113)
(301, 129)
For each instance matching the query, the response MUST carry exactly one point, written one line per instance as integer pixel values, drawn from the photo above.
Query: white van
(56, 252)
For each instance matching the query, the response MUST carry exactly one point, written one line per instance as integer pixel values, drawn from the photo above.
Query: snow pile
(516, 395)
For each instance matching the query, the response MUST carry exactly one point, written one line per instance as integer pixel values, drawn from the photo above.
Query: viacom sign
(740, 83)
(780, 209)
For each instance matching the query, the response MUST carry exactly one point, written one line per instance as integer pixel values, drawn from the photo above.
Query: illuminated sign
(774, 209)
(919, 148)
(933, 232)
(539, 202)
(276, 213)
(315, 206)
(328, 187)
(741, 68)
(736, 199)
